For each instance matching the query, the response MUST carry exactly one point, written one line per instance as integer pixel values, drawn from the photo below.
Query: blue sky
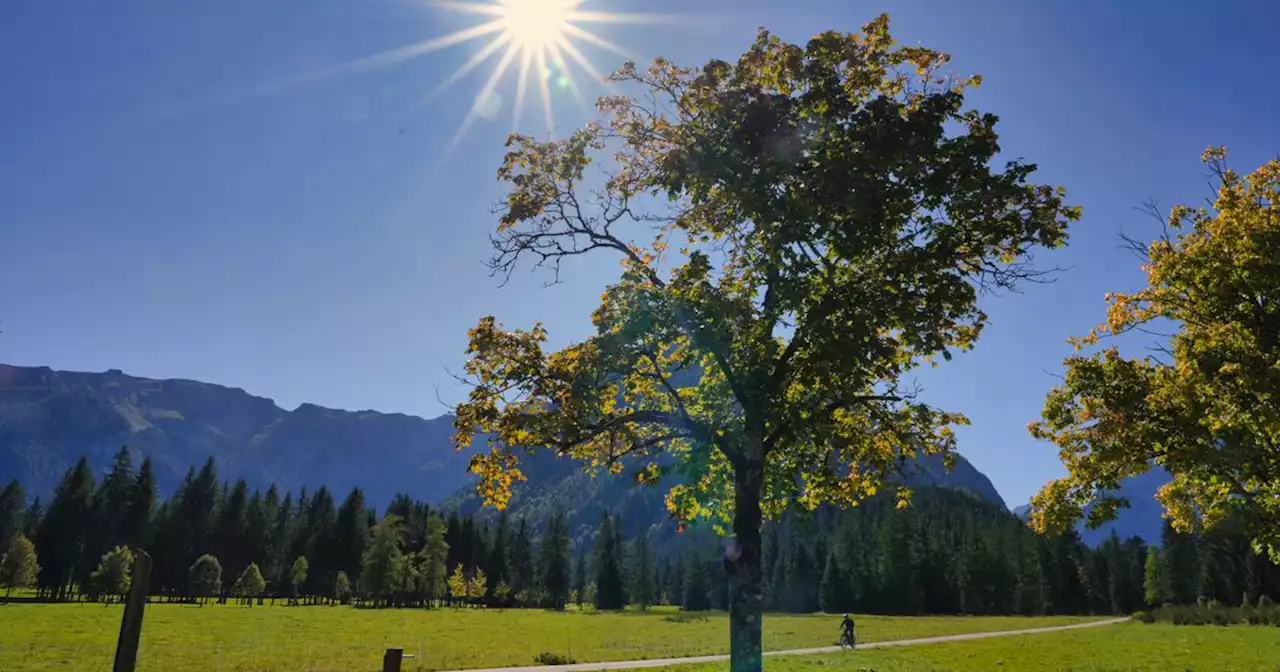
(165, 212)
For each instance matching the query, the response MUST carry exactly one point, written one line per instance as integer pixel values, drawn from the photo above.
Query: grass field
(1126, 647)
(181, 638)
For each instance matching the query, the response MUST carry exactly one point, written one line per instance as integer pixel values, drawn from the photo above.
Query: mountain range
(49, 418)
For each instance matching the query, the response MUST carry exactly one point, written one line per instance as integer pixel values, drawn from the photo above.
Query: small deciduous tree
(113, 574)
(18, 565)
(1203, 405)
(837, 211)
(502, 593)
(457, 584)
(341, 587)
(383, 558)
(249, 584)
(206, 577)
(298, 575)
(477, 586)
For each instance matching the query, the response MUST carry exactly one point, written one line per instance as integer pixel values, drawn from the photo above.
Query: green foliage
(477, 586)
(206, 577)
(19, 565)
(298, 574)
(383, 560)
(114, 574)
(839, 211)
(457, 583)
(250, 583)
(1205, 412)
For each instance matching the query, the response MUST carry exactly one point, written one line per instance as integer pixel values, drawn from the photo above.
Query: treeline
(950, 552)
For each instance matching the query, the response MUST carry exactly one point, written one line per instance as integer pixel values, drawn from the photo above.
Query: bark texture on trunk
(743, 561)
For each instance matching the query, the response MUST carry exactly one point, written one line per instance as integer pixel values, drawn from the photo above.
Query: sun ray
(578, 16)
(576, 56)
(544, 83)
(592, 38)
(394, 56)
(486, 91)
(472, 63)
(522, 86)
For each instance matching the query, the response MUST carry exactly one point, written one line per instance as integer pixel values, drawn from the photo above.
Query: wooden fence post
(391, 661)
(131, 623)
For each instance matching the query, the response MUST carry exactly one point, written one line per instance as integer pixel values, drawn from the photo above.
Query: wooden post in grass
(391, 661)
(131, 623)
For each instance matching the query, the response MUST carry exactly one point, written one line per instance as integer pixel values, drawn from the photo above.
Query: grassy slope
(177, 638)
(1127, 647)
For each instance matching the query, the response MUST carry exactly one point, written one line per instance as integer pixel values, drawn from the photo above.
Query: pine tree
(610, 584)
(110, 507)
(642, 580)
(350, 534)
(498, 567)
(63, 533)
(696, 595)
(19, 565)
(522, 558)
(231, 529)
(12, 504)
(580, 575)
(1181, 565)
(832, 591)
(555, 562)
(206, 577)
(137, 528)
(1155, 581)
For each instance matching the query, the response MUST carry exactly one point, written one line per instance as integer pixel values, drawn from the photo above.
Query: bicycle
(848, 640)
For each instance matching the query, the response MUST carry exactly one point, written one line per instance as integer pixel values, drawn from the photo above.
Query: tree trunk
(742, 559)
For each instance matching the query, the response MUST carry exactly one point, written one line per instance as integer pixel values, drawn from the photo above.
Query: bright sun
(537, 24)
(537, 40)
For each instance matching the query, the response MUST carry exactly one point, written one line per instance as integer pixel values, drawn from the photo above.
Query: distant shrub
(1212, 612)
(685, 617)
(549, 658)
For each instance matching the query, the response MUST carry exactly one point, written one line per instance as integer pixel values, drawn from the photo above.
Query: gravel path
(664, 662)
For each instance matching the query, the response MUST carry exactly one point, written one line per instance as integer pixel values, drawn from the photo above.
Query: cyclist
(846, 631)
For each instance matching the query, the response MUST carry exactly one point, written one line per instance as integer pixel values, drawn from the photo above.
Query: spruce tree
(610, 583)
(641, 569)
(580, 575)
(522, 558)
(350, 534)
(12, 505)
(63, 533)
(555, 562)
(696, 595)
(1155, 581)
(138, 527)
(1181, 564)
(832, 592)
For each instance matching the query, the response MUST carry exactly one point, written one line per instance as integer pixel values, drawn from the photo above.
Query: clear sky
(168, 210)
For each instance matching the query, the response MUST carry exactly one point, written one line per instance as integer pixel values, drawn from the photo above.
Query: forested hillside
(949, 552)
